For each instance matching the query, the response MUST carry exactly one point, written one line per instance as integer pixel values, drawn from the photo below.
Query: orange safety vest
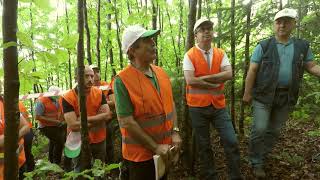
(153, 111)
(24, 112)
(21, 157)
(105, 92)
(50, 110)
(199, 97)
(93, 104)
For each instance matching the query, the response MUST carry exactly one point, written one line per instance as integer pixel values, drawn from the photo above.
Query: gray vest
(268, 71)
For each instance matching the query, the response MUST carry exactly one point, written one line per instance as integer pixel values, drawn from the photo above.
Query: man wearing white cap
(273, 81)
(145, 106)
(48, 113)
(206, 68)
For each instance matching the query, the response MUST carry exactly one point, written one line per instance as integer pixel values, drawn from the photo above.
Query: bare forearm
(23, 131)
(250, 79)
(200, 83)
(99, 117)
(315, 70)
(47, 119)
(218, 78)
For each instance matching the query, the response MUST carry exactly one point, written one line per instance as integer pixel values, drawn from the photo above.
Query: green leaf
(25, 39)
(112, 166)
(43, 4)
(9, 44)
(69, 41)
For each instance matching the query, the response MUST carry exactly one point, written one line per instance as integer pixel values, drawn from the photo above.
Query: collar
(203, 51)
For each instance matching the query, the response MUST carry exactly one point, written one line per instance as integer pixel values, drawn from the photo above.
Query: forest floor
(296, 156)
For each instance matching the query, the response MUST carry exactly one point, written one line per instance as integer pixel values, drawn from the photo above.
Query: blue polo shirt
(286, 52)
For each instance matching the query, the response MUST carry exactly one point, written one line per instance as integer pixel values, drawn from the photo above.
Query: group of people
(142, 98)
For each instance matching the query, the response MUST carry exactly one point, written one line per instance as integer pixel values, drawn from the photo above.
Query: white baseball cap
(54, 89)
(200, 21)
(93, 66)
(292, 13)
(132, 33)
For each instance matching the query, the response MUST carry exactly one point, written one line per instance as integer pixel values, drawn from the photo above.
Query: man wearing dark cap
(145, 106)
(206, 68)
(273, 81)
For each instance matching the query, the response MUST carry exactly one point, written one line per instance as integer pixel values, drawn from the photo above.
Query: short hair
(135, 45)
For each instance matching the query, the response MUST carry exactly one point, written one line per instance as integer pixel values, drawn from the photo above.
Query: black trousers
(27, 150)
(141, 170)
(57, 138)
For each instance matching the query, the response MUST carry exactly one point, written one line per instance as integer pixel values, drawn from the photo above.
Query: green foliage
(43, 167)
(300, 114)
(315, 133)
(39, 144)
(99, 169)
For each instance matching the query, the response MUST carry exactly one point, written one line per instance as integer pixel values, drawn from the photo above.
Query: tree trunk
(87, 32)
(69, 53)
(154, 26)
(246, 65)
(98, 34)
(233, 59)
(172, 40)
(85, 158)
(219, 15)
(11, 89)
(188, 157)
(199, 9)
(118, 34)
(110, 44)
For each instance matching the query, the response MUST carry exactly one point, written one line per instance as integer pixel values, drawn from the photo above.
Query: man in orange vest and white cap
(206, 68)
(145, 106)
(48, 113)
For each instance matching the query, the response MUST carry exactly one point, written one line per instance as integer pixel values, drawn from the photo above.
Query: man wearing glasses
(206, 68)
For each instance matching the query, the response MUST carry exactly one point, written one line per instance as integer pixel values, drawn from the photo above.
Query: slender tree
(233, 59)
(246, 64)
(11, 88)
(219, 15)
(199, 9)
(98, 33)
(189, 146)
(154, 24)
(85, 158)
(110, 46)
(69, 53)
(87, 32)
(118, 33)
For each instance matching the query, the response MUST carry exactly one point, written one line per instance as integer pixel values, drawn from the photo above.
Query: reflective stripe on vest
(204, 91)
(156, 137)
(153, 121)
(18, 151)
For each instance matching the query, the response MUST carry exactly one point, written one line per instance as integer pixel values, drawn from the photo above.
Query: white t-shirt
(188, 66)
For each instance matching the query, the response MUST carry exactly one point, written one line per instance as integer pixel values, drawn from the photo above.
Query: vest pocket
(264, 75)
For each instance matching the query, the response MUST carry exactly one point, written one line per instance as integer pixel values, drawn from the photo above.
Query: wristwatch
(176, 129)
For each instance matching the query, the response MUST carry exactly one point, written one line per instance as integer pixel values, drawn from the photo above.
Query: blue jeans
(267, 123)
(201, 118)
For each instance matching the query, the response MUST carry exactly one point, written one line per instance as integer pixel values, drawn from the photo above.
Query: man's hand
(176, 140)
(247, 97)
(163, 151)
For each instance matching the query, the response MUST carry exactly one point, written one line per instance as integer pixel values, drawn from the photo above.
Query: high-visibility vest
(93, 104)
(153, 111)
(50, 110)
(105, 92)
(24, 112)
(20, 150)
(200, 97)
